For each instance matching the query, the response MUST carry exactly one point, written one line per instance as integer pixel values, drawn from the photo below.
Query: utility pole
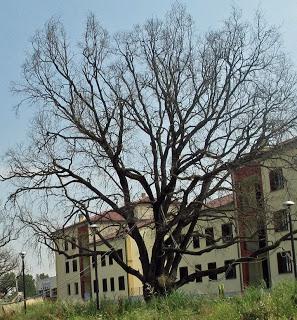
(288, 205)
(22, 254)
(94, 227)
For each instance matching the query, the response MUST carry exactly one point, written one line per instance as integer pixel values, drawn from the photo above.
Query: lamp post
(22, 254)
(288, 205)
(94, 227)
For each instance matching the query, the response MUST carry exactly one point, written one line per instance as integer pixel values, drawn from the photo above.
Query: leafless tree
(158, 110)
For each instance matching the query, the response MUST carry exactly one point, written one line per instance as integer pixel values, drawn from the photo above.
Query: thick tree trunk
(151, 290)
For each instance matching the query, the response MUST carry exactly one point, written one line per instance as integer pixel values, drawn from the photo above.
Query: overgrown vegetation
(255, 304)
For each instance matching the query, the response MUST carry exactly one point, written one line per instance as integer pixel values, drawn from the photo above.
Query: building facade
(255, 213)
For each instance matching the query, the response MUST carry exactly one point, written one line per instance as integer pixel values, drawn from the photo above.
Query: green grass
(255, 304)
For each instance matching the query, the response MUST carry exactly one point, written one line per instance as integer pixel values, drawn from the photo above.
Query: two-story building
(254, 213)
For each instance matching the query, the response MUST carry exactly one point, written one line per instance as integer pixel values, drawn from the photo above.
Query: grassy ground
(255, 304)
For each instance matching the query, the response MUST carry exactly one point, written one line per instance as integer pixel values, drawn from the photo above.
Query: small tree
(157, 110)
(29, 284)
(7, 282)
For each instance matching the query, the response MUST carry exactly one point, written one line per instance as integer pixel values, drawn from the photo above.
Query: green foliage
(254, 304)
(29, 284)
(7, 282)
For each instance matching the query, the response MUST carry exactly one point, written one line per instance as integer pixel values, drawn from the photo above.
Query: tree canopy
(159, 109)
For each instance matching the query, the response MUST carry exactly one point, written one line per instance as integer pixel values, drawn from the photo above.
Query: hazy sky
(19, 20)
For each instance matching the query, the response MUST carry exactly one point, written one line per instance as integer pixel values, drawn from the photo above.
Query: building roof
(220, 202)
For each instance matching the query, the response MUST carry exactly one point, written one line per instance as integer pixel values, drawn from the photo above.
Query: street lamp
(93, 228)
(22, 254)
(288, 204)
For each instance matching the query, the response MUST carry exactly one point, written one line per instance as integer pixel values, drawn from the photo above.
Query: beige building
(259, 216)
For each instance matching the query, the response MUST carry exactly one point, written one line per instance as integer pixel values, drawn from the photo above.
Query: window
(280, 220)
(284, 262)
(73, 243)
(67, 266)
(196, 241)
(259, 195)
(227, 234)
(183, 272)
(231, 271)
(74, 265)
(120, 253)
(198, 268)
(66, 245)
(276, 179)
(121, 283)
(103, 260)
(111, 284)
(93, 261)
(68, 289)
(76, 287)
(213, 275)
(110, 259)
(104, 285)
(95, 285)
(209, 236)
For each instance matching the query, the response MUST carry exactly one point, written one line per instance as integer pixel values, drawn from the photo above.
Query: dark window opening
(259, 195)
(211, 267)
(74, 265)
(120, 253)
(196, 241)
(122, 283)
(183, 272)
(67, 266)
(262, 237)
(66, 245)
(110, 259)
(73, 243)
(111, 284)
(104, 285)
(284, 262)
(230, 273)
(68, 289)
(103, 260)
(276, 179)
(209, 234)
(227, 233)
(76, 287)
(93, 261)
(95, 286)
(198, 268)
(280, 219)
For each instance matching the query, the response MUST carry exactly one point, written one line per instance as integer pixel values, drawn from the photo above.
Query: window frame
(198, 278)
(232, 274)
(103, 260)
(213, 276)
(95, 285)
(121, 281)
(67, 267)
(284, 260)
(183, 272)
(227, 237)
(111, 281)
(209, 237)
(74, 265)
(276, 179)
(104, 285)
(196, 241)
(73, 243)
(281, 223)
(76, 289)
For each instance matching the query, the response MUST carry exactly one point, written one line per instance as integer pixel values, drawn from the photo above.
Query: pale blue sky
(19, 20)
